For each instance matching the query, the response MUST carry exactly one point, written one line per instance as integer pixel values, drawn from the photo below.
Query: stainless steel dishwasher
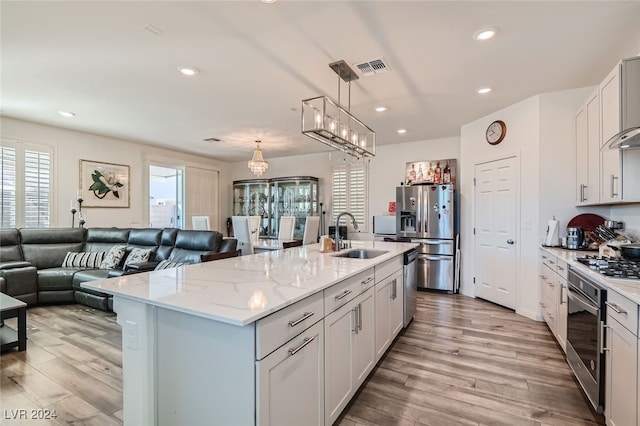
(410, 279)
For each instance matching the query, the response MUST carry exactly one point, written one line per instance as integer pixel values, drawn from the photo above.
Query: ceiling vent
(373, 67)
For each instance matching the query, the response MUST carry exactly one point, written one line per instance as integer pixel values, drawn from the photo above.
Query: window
(349, 193)
(26, 171)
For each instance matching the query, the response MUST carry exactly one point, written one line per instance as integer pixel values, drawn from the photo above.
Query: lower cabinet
(553, 304)
(349, 352)
(389, 311)
(290, 381)
(621, 372)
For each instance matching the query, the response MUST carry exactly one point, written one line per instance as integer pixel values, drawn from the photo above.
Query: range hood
(629, 137)
(626, 139)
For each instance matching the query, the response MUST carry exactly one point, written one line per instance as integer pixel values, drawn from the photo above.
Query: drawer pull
(561, 268)
(367, 281)
(343, 295)
(302, 318)
(617, 309)
(305, 342)
(394, 293)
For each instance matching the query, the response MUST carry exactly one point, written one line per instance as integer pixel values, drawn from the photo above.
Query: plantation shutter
(26, 185)
(9, 187)
(349, 193)
(37, 189)
(202, 195)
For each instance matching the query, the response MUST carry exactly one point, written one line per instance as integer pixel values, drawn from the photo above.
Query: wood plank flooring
(462, 361)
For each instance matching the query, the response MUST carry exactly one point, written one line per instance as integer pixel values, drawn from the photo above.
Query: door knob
(510, 241)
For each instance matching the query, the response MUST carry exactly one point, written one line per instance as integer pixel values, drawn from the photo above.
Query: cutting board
(587, 221)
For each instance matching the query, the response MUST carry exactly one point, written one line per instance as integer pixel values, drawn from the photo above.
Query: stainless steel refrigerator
(427, 214)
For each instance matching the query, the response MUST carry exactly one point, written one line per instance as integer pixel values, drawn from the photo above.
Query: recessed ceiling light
(402, 131)
(484, 90)
(188, 71)
(381, 109)
(485, 34)
(67, 114)
(268, 1)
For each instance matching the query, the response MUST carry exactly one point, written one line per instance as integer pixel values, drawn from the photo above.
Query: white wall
(540, 132)
(71, 146)
(386, 170)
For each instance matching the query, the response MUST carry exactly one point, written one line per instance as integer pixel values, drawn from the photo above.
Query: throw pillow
(166, 264)
(137, 255)
(113, 257)
(83, 259)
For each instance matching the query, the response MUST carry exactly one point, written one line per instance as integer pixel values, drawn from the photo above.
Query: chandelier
(328, 122)
(257, 164)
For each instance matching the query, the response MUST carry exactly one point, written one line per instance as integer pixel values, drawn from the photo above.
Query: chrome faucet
(353, 221)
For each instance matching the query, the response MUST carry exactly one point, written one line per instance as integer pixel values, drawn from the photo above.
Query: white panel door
(495, 211)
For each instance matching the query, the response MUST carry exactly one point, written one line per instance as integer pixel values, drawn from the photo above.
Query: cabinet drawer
(549, 282)
(339, 294)
(548, 259)
(549, 313)
(561, 268)
(387, 268)
(623, 310)
(278, 328)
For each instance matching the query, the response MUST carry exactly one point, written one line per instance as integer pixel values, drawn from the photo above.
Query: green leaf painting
(105, 182)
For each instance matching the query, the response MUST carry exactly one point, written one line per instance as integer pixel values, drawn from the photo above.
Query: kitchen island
(286, 335)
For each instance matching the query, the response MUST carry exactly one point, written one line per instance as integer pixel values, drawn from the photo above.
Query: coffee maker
(575, 237)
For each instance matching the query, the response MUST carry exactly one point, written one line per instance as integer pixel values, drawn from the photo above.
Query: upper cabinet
(603, 175)
(588, 151)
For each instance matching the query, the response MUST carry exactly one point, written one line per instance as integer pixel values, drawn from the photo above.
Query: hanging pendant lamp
(257, 164)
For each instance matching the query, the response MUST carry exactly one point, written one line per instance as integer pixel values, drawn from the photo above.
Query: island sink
(361, 253)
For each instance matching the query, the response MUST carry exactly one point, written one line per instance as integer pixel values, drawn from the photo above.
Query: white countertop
(241, 290)
(628, 288)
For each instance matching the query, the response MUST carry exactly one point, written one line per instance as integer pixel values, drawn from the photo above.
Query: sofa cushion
(83, 259)
(10, 245)
(56, 278)
(102, 239)
(47, 247)
(113, 257)
(166, 264)
(137, 255)
(89, 275)
(191, 244)
(167, 242)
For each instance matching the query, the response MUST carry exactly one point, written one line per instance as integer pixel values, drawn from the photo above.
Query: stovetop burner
(612, 267)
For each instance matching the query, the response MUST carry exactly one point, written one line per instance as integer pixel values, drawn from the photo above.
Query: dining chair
(208, 257)
(254, 228)
(287, 225)
(311, 226)
(242, 234)
(289, 244)
(200, 223)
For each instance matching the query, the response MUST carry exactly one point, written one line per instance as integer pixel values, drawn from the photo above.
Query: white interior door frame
(518, 202)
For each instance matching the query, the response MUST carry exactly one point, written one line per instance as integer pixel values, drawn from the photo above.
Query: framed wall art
(104, 184)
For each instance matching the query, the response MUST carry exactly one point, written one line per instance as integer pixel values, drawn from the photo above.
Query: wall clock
(496, 132)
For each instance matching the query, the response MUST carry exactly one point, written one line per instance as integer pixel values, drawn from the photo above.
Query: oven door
(584, 345)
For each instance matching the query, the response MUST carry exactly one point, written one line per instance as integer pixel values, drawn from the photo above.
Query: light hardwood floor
(462, 361)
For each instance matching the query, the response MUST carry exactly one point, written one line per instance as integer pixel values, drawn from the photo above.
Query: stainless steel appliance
(409, 276)
(585, 334)
(427, 215)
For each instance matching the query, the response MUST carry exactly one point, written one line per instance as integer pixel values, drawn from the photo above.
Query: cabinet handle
(602, 327)
(305, 342)
(367, 281)
(561, 294)
(543, 305)
(394, 292)
(356, 310)
(613, 186)
(343, 295)
(552, 285)
(302, 318)
(582, 197)
(359, 316)
(561, 268)
(616, 308)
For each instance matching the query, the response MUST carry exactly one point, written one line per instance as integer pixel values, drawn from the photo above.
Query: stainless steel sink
(361, 253)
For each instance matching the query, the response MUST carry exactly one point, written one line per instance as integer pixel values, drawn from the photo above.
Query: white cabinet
(349, 351)
(553, 304)
(621, 374)
(587, 123)
(290, 381)
(388, 296)
(610, 167)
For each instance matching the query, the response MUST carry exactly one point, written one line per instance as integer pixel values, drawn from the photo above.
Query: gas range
(612, 267)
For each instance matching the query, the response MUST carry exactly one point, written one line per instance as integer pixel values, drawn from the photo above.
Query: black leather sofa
(31, 259)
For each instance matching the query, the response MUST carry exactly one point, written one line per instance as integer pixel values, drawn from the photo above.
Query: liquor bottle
(412, 174)
(446, 174)
(437, 174)
(419, 177)
(430, 173)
